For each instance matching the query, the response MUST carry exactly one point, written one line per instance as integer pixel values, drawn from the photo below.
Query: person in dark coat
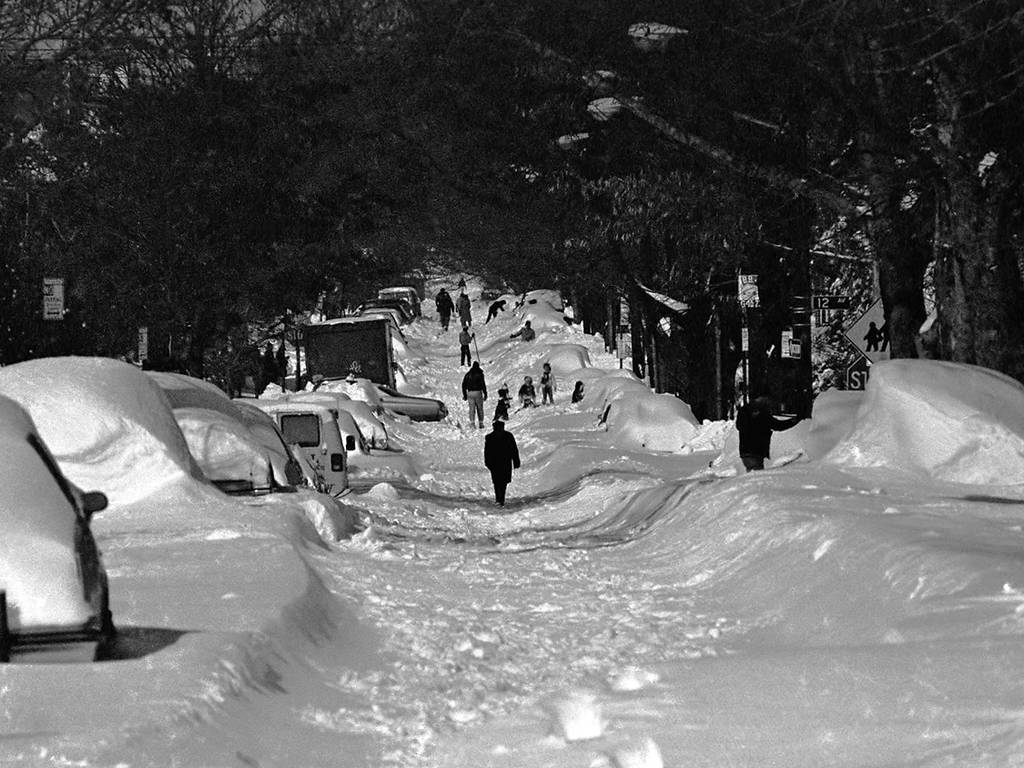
(526, 333)
(463, 308)
(501, 456)
(268, 368)
(755, 423)
(474, 392)
(577, 393)
(494, 309)
(501, 409)
(281, 357)
(445, 307)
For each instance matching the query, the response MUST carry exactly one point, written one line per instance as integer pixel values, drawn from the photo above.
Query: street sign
(869, 335)
(790, 346)
(53, 298)
(747, 289)
(624, 344)
(857, 374)
(830, 302)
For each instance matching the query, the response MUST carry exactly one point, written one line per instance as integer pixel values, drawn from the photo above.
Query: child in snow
(547, 385)
(527, 394)
(577, 393)
(501, 409)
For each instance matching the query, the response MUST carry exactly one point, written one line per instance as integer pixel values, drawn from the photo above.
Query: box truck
(361, 346)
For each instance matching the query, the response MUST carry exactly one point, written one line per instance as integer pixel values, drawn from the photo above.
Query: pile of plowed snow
(948, 421)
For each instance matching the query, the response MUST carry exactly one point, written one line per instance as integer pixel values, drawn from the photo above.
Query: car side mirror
(94, 501)
(350, 442)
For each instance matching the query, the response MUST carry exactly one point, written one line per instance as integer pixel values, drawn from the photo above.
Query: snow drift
(108, 425)
(948, 421)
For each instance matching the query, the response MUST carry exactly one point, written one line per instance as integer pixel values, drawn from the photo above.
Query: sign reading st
(869, 334)
(857, 374)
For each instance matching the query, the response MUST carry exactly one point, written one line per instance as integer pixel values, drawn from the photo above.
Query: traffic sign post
(869, 335)
(53, 298)
(857, 374)
(830, 302)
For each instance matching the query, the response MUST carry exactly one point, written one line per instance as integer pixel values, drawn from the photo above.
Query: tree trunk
(977, 276)
(978, 286)
(902, 248)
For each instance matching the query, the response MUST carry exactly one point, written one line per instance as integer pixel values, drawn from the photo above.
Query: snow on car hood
(107, 424)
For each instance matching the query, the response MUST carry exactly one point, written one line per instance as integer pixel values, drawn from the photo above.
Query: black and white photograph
(523, 384)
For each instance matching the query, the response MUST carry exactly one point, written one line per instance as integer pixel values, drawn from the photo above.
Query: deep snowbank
(948, 421)
(107, 424)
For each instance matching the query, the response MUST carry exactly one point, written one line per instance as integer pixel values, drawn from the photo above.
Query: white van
(342, 406)
(315, 430)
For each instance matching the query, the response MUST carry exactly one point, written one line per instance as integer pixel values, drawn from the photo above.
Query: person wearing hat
(501, 456)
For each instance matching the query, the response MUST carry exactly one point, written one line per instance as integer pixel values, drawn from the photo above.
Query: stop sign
(857, 373)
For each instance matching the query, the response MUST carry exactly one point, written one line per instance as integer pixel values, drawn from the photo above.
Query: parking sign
(53, 298)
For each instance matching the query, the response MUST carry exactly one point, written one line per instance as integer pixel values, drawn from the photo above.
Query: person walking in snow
(445, 307)
(462, 307)
(465, 358)
(755, 423)
(547, 385)
(474, 392)
(501, 456)
(494, 309)
(526, 333)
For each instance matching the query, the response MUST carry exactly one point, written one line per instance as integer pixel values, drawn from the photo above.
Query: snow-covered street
(637, 603)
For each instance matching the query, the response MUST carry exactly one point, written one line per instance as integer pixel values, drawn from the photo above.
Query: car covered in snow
(405, 293)
(404, 309)
(240, 450)
(316, 433)
(54, 597)
(416, 408)
(345, 411)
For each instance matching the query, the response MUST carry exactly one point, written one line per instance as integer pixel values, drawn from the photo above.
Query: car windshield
(53, 469)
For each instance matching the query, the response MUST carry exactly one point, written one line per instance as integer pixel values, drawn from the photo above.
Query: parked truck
(361, 346)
